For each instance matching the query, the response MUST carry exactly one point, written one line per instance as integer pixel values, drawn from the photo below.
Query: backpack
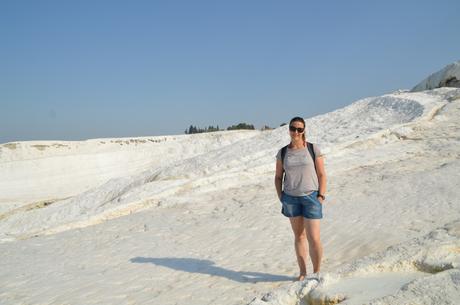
(310, 149)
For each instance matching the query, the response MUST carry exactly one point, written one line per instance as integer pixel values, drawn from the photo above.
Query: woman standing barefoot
(302, 193)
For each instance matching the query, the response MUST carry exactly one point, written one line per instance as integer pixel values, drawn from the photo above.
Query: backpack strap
(283, 154)
(312, 153)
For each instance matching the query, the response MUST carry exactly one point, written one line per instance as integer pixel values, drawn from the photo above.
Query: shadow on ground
(194, 265)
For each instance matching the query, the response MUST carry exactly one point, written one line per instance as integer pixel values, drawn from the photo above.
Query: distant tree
(212, 128)
(193, 129)
(266, 127)
(241, 126)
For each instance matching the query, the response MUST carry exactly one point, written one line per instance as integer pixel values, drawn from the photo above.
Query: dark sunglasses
(299, 129)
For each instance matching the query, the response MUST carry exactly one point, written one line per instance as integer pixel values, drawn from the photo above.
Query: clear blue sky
(73, 70)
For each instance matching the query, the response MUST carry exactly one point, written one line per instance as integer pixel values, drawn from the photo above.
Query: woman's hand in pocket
(320, 199)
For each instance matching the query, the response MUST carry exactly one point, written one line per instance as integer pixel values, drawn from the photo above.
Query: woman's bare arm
(321, 172)
(279, 177)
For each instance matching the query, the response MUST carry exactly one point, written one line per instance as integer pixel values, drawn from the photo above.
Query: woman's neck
(297, 144)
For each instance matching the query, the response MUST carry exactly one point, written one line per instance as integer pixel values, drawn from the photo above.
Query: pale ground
(207, 228)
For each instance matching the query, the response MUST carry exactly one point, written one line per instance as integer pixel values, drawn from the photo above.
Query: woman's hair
(299, 119)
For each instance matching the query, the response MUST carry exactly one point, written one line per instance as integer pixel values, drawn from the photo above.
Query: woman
(302, 194)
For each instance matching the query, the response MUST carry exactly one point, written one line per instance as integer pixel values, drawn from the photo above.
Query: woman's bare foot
(301, 277)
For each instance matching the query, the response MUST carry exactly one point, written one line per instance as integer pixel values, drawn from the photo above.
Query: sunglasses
(298, 129)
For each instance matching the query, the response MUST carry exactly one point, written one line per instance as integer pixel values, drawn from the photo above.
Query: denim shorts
(307, 206)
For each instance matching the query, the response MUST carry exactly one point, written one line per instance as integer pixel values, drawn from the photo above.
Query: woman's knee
(314, 241)
(302, 236)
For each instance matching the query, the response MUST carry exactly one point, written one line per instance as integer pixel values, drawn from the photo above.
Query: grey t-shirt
(300, 175)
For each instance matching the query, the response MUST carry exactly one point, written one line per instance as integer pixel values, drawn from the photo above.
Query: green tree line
(194, 129)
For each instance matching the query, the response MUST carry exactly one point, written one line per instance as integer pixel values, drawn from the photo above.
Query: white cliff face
(449, 76)
(195, 219)
(35, 171)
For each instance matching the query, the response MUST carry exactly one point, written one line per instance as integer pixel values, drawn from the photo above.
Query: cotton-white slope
(222, 166)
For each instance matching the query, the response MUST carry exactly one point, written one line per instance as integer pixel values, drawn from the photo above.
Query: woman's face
(296, 130)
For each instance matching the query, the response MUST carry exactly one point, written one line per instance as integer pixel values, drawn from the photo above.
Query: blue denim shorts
(307, 206)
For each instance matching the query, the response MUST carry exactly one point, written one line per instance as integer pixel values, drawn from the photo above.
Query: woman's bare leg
(300, 243)
(312, 227)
